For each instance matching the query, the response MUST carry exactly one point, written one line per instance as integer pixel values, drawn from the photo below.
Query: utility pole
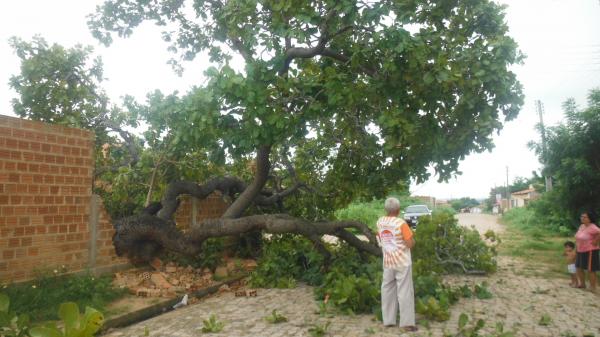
(540, 109)
(507, 191)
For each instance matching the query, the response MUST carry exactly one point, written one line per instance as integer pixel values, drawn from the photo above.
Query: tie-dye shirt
(392, 234)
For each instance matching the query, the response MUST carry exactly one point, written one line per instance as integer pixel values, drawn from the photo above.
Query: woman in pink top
(587, 238)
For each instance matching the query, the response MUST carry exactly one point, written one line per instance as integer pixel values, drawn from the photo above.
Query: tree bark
(142, 237)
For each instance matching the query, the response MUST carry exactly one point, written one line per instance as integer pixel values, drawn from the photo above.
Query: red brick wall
(45, 189)
(46, 202)
(209, 208)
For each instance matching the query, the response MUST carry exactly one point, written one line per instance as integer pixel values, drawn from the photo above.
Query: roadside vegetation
(527, 236)
(350, 282)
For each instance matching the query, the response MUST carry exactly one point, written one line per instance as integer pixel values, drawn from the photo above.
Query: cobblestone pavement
(519, 302)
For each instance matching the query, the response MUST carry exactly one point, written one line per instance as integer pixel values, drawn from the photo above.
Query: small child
(570, 257)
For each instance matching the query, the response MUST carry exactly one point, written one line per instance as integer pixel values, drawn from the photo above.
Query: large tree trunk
(143, 236)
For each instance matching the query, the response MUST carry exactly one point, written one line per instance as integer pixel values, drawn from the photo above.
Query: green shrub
(40, 298)
(286, 259)
(441, 242)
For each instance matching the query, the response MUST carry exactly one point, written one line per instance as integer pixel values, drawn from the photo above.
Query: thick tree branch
(263, 166)
(143, 236)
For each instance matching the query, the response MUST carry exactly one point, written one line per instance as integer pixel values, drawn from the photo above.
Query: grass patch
(41, 297)
(526, 237)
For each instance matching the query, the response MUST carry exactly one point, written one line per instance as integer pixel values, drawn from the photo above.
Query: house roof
(529, 190)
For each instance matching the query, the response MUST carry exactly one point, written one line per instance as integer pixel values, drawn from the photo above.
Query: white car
(412, 214)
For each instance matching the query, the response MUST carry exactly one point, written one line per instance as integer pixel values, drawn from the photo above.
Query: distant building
(427, 200)
(522, 198)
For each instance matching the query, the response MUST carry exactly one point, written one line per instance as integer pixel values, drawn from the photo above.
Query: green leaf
(4, 303)
(45, 332)
(462, 320)
(69, 313)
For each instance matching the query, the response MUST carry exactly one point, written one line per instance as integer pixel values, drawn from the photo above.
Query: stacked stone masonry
(46, 174)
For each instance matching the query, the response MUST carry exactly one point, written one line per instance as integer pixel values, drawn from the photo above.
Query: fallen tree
(347, 99)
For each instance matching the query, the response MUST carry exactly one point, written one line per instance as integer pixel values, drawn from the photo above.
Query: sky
(561, 39)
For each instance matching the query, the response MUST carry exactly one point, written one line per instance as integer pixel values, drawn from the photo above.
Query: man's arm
(410, 243)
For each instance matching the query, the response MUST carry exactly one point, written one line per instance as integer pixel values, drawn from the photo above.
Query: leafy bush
(40, 298)
(286, 259)
(445, 247)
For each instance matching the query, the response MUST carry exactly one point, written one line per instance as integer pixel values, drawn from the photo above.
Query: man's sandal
(410, 328)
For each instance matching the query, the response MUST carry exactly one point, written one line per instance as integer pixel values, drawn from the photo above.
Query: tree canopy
(360, 94)
(572, 158)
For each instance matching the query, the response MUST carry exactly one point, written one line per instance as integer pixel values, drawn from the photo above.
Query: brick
(26, 242)
(4, 199)
(33, 251)
(14, 199)
(14, 242)
(8, 254)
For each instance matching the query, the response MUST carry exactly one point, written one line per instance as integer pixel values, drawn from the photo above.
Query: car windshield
(417, 209)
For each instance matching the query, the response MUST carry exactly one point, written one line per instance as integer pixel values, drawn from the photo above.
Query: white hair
(391, 205)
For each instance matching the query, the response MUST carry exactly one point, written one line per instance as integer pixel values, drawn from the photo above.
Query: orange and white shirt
(392, 234)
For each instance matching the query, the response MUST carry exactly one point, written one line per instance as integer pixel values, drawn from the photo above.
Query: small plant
(212, 325)
(73, 323)
(370, 331)
(275, 317)
(146, 331)
(318, 330)
(11, 324)
(482, 292)
(568, 333)
(540, 291)
(465, 291)
(464, 330)
(499, 332)
(545, 320)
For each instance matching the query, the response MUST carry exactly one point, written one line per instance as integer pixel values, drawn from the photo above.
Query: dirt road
(481, 222)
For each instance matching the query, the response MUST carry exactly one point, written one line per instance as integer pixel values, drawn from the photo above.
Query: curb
(160, 308)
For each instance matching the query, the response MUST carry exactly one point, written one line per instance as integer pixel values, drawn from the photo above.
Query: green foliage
(482, 292)
(40, 298)
(73, 323)
(571, 159)
(286, 259)
(456, 68)
(276, 317)
(11, 323)
(442, 238)
(351, 283)
(545, 320)
(369, 212)
(319, 330)
(212, 325)
(58, 85)
(465, 202)
(210, 256)
(473, 330)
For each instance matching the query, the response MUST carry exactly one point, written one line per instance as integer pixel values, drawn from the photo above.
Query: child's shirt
(392, 234)
(584, 237)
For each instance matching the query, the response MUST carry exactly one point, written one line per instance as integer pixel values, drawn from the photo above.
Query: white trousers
(397, 293)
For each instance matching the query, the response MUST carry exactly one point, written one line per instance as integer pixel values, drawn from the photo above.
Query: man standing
(396, 240)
